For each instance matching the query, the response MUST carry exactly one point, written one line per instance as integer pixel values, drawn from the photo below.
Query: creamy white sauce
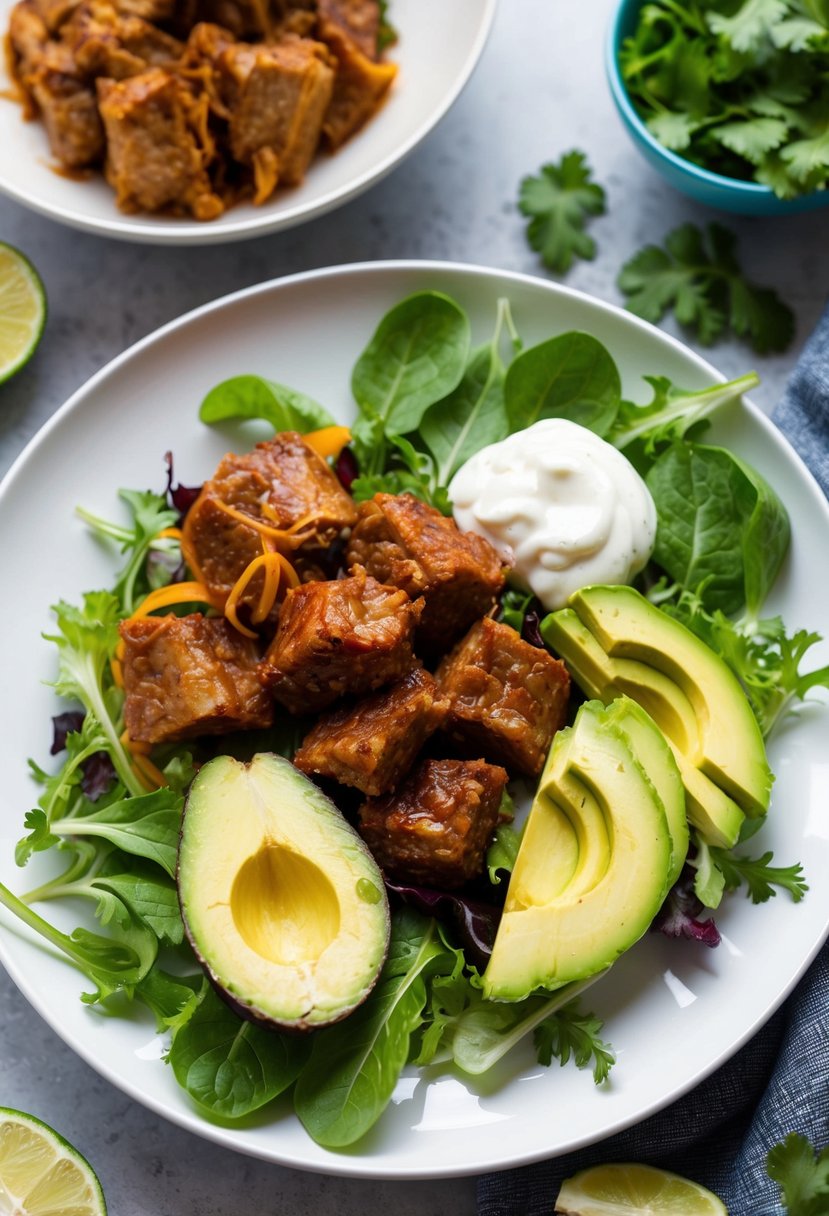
(562, 505)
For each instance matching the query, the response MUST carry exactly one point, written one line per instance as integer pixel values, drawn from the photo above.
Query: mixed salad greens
(426, 401)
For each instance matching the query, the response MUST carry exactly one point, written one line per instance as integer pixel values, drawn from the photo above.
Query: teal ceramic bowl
(724, 193)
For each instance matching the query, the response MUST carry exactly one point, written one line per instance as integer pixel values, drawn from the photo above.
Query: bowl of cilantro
(728, 103)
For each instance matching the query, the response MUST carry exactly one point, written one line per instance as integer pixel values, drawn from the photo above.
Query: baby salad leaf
(150, 515)
(671, 412)
(698, 276)
(172, 998)
(571, 376)
(230, 1066)
(803, 1175)
(721, 527)
(558, 203)
(416, 356)
(474, 414)
(354, 1066)
(116, 962)
(86, 643)
(254, 397)
(146, 825)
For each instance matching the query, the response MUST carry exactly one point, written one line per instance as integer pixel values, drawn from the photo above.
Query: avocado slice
(578, 932)
(282, 902)
(628, 626)
(716, 817)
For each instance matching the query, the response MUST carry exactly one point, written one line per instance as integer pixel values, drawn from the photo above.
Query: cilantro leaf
(759, 876)
(802, 1175)
(698, 276)
(751, 25)
(558, 203)
(569, 1032)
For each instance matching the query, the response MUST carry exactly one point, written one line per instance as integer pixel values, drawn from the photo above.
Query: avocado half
(605, 838)
(282, 902)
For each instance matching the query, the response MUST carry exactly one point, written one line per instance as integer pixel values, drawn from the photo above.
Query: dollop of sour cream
(563, 506)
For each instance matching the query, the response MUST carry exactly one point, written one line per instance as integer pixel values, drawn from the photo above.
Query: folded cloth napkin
(720, 1132)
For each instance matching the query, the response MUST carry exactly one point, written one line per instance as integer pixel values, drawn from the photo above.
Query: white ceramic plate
(673, 1010)
(439, 45)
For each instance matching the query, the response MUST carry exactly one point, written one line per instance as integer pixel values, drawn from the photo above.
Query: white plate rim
(345, 1165)
(187, 232)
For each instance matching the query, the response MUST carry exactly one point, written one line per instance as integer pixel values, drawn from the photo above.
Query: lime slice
(622, 1190)
(42, 1175)
(22, 310)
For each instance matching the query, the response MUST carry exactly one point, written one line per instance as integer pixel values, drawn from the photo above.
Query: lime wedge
(625, 1190)
(42, 1175)
(22, 310)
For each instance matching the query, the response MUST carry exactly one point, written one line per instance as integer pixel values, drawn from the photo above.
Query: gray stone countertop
(539, 90)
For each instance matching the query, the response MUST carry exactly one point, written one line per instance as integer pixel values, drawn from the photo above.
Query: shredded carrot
(174, 593)
(147, 771)
(117, 671)
(172, 533)
(276, 534)
(304, 521)
(329, 441)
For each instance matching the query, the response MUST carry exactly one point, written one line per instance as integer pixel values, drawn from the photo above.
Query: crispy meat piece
(349, 636)
(105, 42)
(402, 541)
(243, 18)
(28, 35)
(188, 676)
(373, 744)
(156, 145)
(288, 476)
(358, 19)
(507, 698)
(148, 10)
(359, 87)
(277, 97)
(55, 12)
(67, 106)
(434, 830)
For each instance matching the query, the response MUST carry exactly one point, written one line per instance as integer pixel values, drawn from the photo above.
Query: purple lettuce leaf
(475, 923)
(679, 915)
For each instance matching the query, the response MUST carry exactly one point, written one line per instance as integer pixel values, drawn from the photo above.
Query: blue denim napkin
(720, 1132)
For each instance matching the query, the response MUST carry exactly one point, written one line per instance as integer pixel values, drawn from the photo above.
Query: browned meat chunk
(359, 87)
(188, 676)
(55, 12)
(244, 18)
(277, 97)
(28, 36)
(156, 150)
(349, 636)
(107, 43)
(358, 19)
(373, 744)
(277, 485)
(67, 106)
(434, 830)
(507, 698)
(402, 541)
(147, 10)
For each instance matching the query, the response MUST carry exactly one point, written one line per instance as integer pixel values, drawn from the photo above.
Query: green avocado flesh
(595, 795)
(282, 901)
(732, 753)
(709, 807)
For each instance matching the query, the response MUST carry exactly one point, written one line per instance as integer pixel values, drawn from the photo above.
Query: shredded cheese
(329, 441)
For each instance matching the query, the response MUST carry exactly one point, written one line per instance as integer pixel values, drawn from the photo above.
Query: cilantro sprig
(558, 203)
(739, 89)
(802, 1174)
(698, 276)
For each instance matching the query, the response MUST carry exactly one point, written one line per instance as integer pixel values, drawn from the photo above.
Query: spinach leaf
(150, 896)
(354, 1066)
(416, 356)
(474, 414)
(722, 529)
(571, 376)
(254, 397)
(228, 1065)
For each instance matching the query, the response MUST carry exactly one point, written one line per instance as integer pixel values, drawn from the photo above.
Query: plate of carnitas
(418, 747)
(217, 120)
